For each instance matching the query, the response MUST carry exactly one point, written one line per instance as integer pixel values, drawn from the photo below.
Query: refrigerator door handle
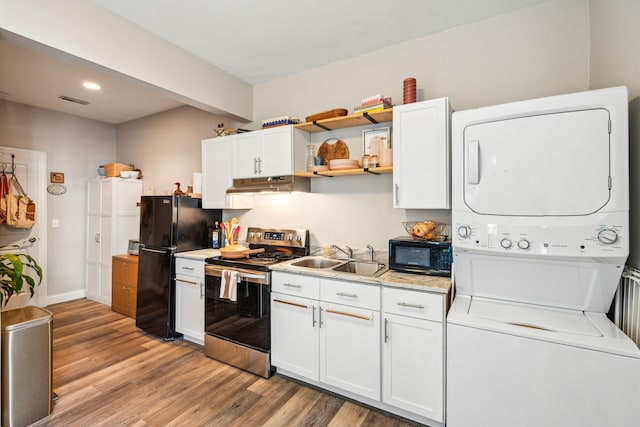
(153, 250)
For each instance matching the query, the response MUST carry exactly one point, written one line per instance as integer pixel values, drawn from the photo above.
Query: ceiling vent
(70, 99)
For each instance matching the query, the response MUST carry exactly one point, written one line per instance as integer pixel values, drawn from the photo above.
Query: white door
(421, 155)
(294, 335)
(350, 349)
(548, 164)
(247, 154)
(30, 168)
(276, 154)
(190, 307)
(413, 365)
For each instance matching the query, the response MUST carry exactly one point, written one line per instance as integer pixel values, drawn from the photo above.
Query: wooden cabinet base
(124, 284)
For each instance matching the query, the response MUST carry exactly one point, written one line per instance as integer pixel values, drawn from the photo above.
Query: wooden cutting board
(335, 150)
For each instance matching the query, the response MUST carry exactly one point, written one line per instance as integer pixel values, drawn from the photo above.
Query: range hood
(271, 184)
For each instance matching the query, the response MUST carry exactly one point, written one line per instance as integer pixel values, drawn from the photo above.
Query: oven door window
(245, 321)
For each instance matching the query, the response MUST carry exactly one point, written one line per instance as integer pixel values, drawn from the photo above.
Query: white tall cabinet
(113, 218)
(421, 155)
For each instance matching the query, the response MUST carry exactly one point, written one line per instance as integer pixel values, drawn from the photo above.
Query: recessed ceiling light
(91, 85)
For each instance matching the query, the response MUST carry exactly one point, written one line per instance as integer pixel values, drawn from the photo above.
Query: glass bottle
(215, 236)
(311, 161)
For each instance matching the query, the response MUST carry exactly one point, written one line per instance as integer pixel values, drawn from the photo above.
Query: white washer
(540, 218)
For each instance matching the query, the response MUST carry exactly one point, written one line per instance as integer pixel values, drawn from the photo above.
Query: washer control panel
(607, 239)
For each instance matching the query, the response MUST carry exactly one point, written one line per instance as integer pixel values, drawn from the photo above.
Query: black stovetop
(279, 245)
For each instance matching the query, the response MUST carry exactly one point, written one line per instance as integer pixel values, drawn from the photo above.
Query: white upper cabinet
(421, 155)
(216, 176)
(268, 152)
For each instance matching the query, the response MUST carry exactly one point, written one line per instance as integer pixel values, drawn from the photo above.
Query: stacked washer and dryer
(541, 212)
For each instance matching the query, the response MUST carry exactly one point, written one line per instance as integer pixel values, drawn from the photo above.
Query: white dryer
(540, 213)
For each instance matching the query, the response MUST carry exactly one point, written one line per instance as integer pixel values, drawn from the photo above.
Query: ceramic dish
(343, 164)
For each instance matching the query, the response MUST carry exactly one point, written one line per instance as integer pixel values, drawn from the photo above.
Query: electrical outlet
(55, 223)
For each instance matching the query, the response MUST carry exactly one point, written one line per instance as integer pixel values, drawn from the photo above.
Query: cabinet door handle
(255, 166)
(290, 303)
(406, 304)
(344, 313)
(320, 318)
(188, 268)
(313, 316)
(259, 165)
(186, 281)
(291, 285)
(397, 188)
(386, 329)
(97, 238)
(344, 294)
(201, 289)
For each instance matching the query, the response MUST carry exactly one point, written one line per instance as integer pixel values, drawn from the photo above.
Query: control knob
(464, 231)
(505, 243)
(290, 237)
(607, 236)
(524, 244)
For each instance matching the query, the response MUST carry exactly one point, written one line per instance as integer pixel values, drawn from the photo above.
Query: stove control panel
(278, 237)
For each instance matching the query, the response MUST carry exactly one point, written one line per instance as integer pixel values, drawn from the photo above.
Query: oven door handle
(252, 276)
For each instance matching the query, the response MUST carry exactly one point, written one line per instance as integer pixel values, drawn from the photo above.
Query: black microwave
(420, 256)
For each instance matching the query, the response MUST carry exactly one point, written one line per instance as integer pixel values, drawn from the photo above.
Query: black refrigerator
(168, 224)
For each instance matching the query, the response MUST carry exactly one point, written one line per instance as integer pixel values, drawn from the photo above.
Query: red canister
(409, 90)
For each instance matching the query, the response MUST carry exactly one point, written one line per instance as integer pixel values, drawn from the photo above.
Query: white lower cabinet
(413, 352)
(336, 344)
(294, 335)
(190, 299)
(384, 344)
(350, 349)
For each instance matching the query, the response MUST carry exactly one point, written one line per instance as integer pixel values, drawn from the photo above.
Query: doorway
(29, 166)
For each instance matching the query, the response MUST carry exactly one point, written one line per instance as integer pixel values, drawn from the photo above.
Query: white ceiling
(255, 40)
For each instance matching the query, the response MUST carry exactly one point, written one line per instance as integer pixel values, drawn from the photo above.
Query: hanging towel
(233, 286)
(228, 285)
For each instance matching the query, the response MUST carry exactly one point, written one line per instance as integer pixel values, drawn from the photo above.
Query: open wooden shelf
(353, 120)
(347, 172)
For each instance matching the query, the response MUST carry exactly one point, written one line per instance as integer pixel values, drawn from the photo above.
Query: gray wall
(74, 146)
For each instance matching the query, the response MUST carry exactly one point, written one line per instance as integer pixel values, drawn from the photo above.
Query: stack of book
(374, 103)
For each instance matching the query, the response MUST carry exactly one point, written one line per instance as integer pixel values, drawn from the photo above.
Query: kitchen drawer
(295, 284)
(350, 293)
(422, 305)
(190, 267)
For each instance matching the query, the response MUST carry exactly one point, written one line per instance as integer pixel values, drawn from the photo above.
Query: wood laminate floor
(108, 373)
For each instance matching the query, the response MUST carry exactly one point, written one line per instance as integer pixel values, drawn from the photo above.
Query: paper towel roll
(197, 182)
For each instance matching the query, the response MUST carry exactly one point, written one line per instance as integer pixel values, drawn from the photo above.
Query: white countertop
(200, 254)
(420, 282)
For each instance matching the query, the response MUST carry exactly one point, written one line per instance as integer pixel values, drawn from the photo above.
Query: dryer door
(551, 164)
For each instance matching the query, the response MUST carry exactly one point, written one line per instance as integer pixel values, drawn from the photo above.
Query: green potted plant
(14, 269)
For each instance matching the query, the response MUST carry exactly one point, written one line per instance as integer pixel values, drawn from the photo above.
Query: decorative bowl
(426, 230)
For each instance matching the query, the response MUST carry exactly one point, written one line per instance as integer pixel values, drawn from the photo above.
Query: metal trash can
(27, 365)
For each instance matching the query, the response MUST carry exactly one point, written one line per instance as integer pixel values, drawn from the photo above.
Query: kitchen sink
(316, 263)
(361, 268)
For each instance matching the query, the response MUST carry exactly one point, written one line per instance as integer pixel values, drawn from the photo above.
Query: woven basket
(114, 169)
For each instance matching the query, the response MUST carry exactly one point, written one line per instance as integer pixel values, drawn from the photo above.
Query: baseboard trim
(69, 296)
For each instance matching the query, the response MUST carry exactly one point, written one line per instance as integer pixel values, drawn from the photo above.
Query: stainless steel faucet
(349, 254)
(371, 252)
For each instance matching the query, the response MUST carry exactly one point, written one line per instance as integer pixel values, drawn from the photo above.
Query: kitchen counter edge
(396, 279)
(200, 254)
